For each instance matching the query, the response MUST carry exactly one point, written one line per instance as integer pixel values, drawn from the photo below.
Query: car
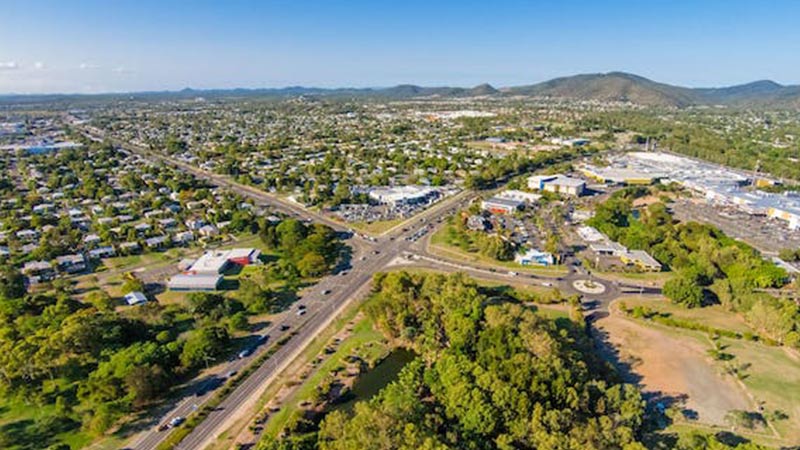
(301, 312)
(377, 252)
(301, 306)
(245, 353)
(326, 291)
(176, 421)
(231, 374)
(163, 427)
(547, 284)
(263, 338)
(284, 327)
(512, 273)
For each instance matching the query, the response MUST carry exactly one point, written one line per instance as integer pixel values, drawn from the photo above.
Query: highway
(323, 302)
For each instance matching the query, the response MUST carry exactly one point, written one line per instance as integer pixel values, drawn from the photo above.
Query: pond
(371, 382)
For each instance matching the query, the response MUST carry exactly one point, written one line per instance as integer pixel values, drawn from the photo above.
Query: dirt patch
(672, 368)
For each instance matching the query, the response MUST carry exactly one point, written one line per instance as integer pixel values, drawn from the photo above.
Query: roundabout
(589, 287)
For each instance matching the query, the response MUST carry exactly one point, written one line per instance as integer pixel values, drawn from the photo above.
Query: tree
(131, 284)
(12, 283)
(100, 300)
(312, 264)
(683, 290)
(203, 346)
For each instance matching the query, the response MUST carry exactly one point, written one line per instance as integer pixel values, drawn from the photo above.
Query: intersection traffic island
(589, 287)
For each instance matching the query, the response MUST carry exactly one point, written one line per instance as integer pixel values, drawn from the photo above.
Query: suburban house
(135, 298)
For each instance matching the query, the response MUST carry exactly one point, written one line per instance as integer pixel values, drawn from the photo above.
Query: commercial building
(520, 196)
(403, 195)
(620, 175)
(789, 214)
(195, 282)
(213, 262)
(499, 205)
(590, 234)
(244, 256)
(642, 260)
(216, 262)
(534, 256)
(559, 184)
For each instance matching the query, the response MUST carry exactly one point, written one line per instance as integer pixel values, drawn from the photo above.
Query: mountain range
(612, 86)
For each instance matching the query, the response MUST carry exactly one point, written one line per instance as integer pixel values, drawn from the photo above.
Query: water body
(371, 382)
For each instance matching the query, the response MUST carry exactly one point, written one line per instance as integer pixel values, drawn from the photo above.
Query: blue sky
(121, 45)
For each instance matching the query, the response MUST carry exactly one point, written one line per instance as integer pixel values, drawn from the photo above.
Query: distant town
(238, 272)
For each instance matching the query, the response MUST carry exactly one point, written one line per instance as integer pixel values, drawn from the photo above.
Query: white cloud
(87, 66)
(10, 65)
(38, 65)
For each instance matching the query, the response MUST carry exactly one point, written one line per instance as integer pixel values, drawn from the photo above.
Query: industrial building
(195, 282)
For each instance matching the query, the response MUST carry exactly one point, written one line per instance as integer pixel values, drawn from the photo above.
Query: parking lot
(766, 235)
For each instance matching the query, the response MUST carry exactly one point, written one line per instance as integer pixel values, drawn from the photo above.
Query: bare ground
(674, 369)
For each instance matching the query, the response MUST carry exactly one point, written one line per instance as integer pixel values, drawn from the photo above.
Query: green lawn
(23, 426)
(365, 341)
(657, 277)
(375, 228)
(773, 377)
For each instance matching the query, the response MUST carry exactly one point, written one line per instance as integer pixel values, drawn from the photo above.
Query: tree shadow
(657, 401)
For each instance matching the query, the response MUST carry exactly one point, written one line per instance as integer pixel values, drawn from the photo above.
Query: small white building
(135, 298)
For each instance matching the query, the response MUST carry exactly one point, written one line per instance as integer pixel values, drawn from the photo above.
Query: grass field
(715, 316)
(375, 228)
(773, 377)
(23, 426)
(651, 278)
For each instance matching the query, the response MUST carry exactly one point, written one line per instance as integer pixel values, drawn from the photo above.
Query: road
(370, 255)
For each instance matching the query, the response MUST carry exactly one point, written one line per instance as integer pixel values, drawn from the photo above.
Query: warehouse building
(195, 282)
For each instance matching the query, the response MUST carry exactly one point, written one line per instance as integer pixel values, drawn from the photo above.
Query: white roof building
(198, 282)
(214, 262)
(135, 298)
